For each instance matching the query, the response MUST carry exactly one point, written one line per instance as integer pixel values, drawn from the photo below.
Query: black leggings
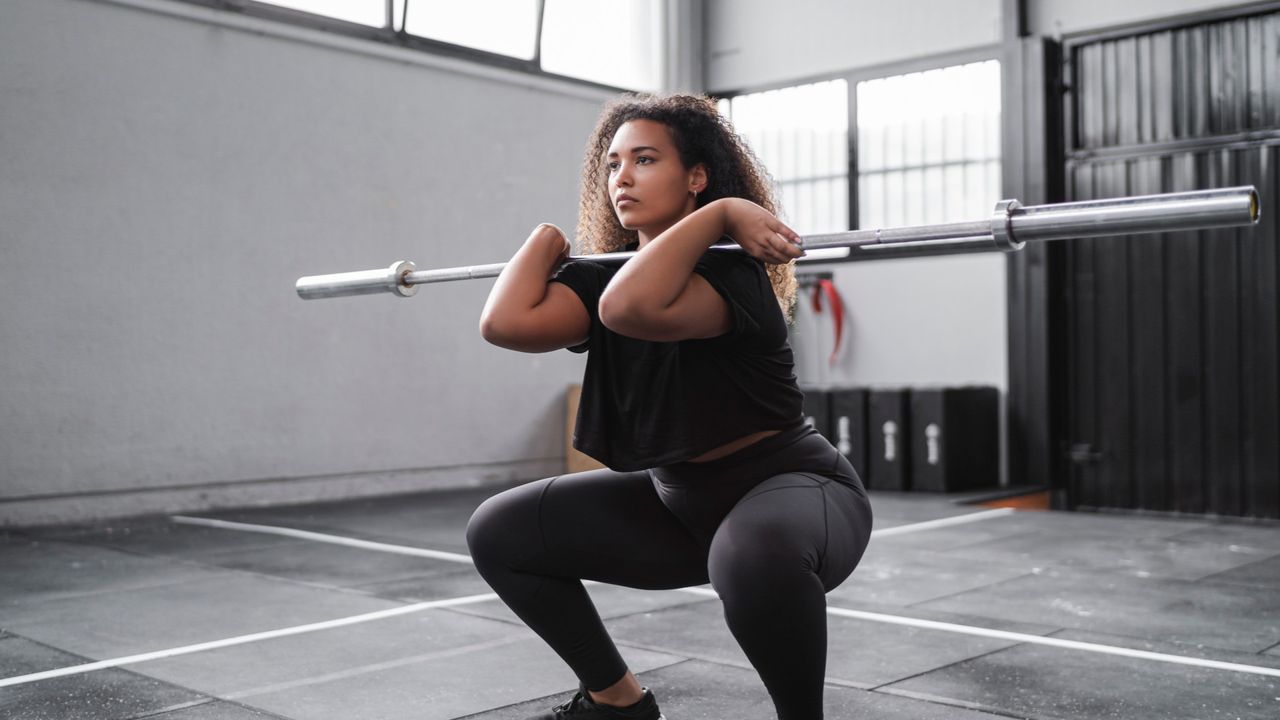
(773, 527)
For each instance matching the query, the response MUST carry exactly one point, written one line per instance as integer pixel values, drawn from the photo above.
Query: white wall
(902, 325)
(752, 43)
(166, 176)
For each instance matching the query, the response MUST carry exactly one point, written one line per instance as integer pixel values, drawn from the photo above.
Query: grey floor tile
(896, 576)
(1248, 538)
(35, 571)
(993, 529)
(327, 564)
(354, 650)
(111, 694)
(859, 652)
(1263, 575)
(445, 582)
(1046, 682)
(697, 690)
(611, 601)
(215, 710)
(438, 687)
(126, 622)
(891, 509)
(161, 536)
(1160, 555)
(1221, 615)
(436, 520)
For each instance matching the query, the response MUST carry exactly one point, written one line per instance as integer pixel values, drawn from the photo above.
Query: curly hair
(701, 135)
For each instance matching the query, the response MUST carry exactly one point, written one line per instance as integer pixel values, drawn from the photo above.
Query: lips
(618, 201)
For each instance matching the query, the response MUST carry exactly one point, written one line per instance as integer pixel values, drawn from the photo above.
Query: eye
(645, 158)
(612, 164)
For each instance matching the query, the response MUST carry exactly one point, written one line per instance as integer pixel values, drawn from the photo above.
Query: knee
(491, 528)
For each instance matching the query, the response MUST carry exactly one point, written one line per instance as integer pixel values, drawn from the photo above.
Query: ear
(698, 178)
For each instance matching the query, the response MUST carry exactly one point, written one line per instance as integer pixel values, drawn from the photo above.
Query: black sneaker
(582, 708)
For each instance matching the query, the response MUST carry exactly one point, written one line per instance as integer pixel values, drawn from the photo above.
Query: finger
(795, 247)
(777, 255)
(794, 251)
(782, 246)
(790, 236)
(772, 248)
(765, 252)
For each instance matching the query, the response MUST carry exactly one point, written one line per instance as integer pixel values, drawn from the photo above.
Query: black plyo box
(817, 410)
(849, 427)
(888, 432)
(955, 438)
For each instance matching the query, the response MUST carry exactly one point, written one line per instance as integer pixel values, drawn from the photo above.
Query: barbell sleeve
(1008, 229)
(360, 282)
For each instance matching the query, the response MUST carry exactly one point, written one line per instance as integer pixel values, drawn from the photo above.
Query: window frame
(388, 35)
(874, 72)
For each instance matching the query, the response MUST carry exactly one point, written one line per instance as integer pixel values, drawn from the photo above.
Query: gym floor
(957, 611)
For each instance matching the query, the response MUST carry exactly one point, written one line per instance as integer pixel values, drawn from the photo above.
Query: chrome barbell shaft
(1009, 228)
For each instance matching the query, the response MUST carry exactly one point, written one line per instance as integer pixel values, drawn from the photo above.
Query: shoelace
(573, 705)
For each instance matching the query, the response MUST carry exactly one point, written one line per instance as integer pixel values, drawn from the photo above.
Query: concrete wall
(167, 172)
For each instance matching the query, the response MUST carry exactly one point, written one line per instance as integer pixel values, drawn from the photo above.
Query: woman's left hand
(760, 233)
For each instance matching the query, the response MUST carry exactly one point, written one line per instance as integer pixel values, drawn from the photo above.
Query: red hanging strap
(825, 286)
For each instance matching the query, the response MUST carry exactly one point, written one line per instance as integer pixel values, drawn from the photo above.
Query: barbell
(1008, 229)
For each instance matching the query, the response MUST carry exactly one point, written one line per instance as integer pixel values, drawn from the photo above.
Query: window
(363, 12)
(505, 27)
(801, 135)
(615, 43)
(929, 146)
(619, 43)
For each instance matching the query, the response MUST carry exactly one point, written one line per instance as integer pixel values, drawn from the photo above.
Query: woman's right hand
(551, 244)
(760, 233)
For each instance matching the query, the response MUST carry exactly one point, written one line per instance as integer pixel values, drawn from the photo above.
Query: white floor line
(322, 537)
(1055, 642)
(349, 673)
(243, 639)
(943, 522)
(458, 558)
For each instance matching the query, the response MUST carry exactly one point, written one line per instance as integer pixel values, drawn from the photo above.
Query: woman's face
(649, 187)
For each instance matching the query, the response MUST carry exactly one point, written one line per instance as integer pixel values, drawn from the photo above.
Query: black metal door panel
(1173, 368)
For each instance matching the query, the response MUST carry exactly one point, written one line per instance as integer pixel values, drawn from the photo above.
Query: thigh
(797, 522)
(598, 525)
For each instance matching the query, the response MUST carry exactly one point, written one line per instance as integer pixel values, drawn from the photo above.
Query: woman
(690, 399)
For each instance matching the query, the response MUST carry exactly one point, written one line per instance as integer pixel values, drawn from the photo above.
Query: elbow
(615, 312)
(508, 335)
(493, 330)
(622, 315)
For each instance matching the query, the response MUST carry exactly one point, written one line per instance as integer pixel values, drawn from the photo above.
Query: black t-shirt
(646, 404)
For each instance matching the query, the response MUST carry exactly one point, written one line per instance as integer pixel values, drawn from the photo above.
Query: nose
(622, 177)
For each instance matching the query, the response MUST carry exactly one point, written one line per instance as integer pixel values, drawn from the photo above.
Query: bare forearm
(655, 277)
(522, 284)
